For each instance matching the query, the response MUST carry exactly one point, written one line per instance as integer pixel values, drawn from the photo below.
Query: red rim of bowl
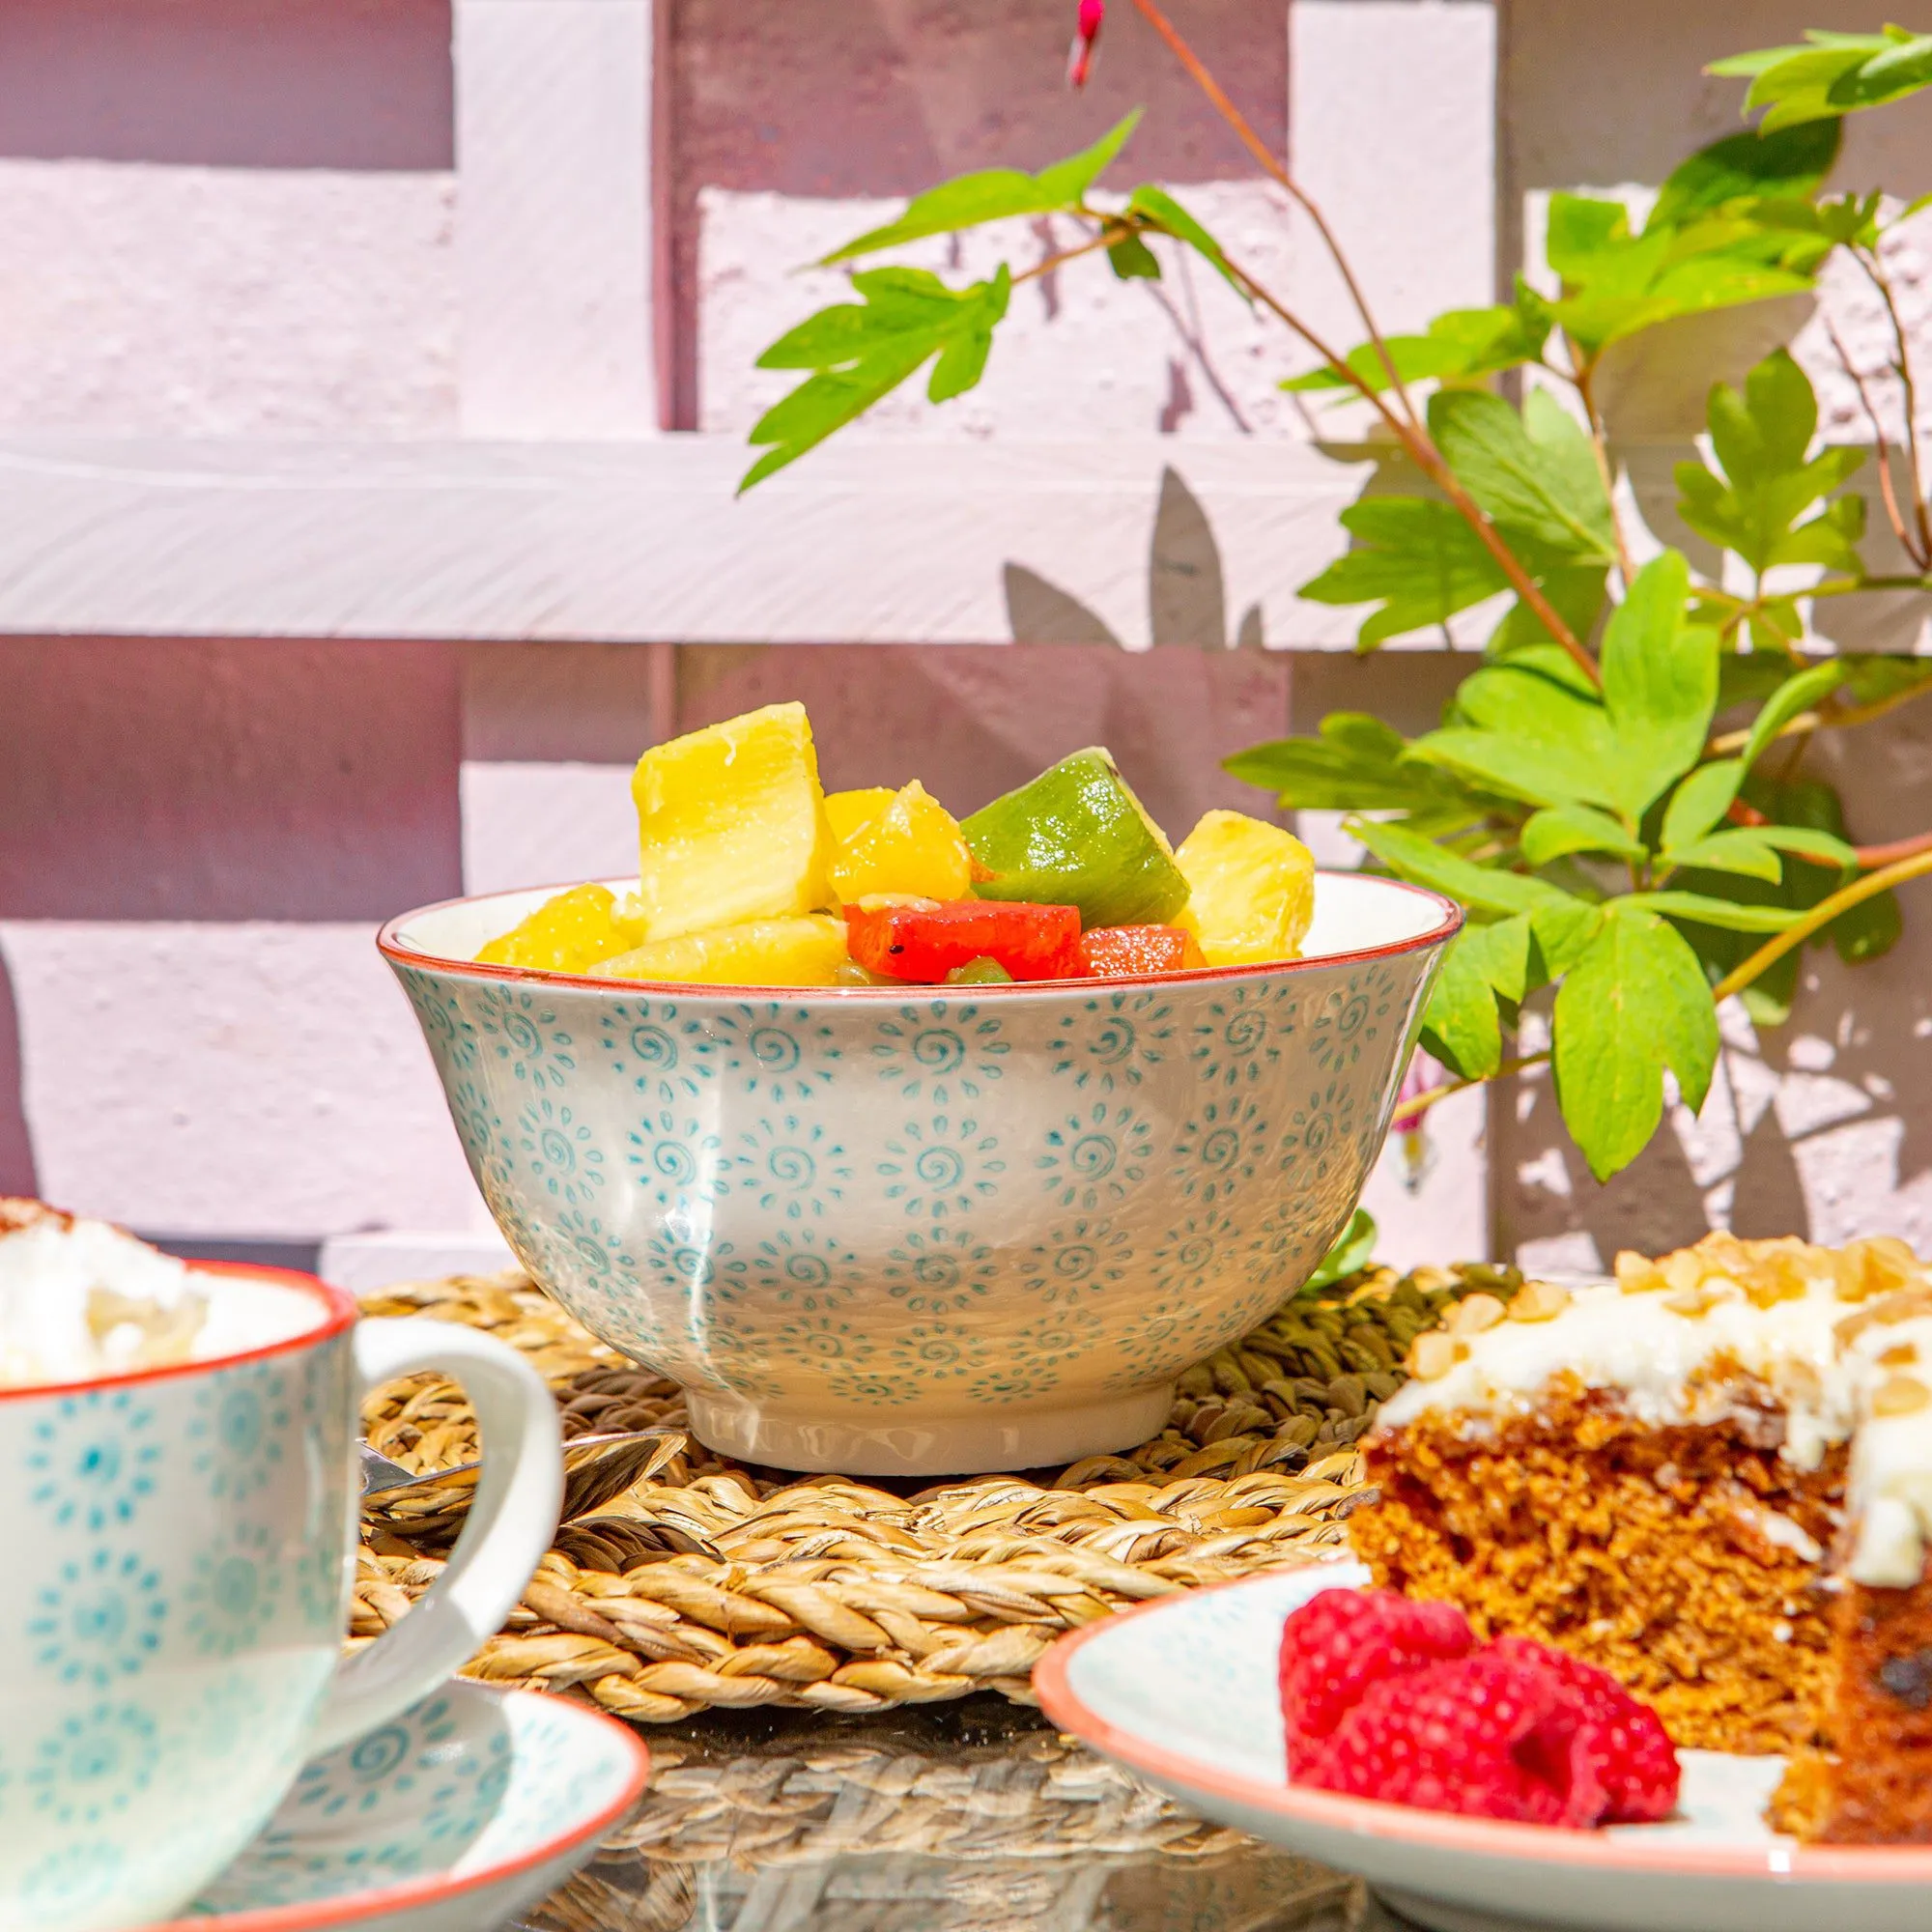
(398, 955)
(351, 1908)
(340, 1315)
(1441, 1831)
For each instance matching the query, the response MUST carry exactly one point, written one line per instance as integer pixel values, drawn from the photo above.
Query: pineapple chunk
(732, 825)
(806, 951)
(568, 934)
(1251, 890)
(902, 841)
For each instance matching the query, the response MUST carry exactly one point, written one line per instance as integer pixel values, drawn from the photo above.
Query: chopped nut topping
(1900, 1395)
(1695, 1303)
(1473, 1313)
(1637, 1276)
(1892, 1307)
(1900, 1357)
(1432, 1356)
(1538, 1301)
(1883, 1264)
(1685, 1270)
(1429, 1279)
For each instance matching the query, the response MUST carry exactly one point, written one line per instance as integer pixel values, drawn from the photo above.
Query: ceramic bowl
(926, 1230)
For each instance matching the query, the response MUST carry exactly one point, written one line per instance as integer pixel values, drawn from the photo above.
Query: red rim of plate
(350, 1908)
(1441, 1831)
(398, 955)
(340, 1315)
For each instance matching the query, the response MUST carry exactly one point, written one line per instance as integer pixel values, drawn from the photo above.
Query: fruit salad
(749, 876)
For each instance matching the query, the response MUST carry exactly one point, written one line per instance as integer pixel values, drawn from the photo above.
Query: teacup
(175, 1585)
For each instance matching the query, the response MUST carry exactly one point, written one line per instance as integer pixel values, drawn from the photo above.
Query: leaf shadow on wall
(1187, 598)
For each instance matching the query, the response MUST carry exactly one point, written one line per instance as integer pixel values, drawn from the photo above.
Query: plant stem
(1874, 268)
(1423, 1103)
(1600, 444)
(1898, 848)
(1821, 916)
(1109, 235)
(1887, 493)
(1198, 73)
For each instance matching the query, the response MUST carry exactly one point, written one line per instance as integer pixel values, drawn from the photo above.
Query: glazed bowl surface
(926, 1229)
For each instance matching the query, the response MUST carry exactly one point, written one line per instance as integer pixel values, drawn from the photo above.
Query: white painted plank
(1392, 130)
(555, 217)
(526, 824)
(861, 543)
(248, 1081)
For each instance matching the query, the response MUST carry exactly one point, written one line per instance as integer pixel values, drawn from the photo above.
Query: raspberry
(1339, 1643)
(1624, 1740)
(1485, 1736)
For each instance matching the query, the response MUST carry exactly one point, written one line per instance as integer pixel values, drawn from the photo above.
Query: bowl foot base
(960, 1445)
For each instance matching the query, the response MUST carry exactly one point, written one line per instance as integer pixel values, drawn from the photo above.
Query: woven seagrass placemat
(681, 1581)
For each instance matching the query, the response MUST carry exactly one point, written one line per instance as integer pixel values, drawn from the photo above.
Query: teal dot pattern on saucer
(461, 1782)
(987, 1203)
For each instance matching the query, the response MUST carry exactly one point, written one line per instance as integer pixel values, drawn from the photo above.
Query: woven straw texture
(681, 1582)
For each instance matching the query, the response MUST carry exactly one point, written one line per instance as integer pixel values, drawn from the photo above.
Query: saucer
(451, 1818)
(1184, 1691)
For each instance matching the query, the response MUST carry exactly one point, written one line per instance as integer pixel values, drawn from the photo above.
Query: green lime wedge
(1077, 836)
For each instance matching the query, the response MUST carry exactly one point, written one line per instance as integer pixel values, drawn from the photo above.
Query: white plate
(1184, 1691)
(463, 1810)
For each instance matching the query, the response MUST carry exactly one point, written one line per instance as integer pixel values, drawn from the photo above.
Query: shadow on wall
(1187, 601)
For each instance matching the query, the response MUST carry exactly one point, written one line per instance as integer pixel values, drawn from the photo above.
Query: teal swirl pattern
(831, 1205)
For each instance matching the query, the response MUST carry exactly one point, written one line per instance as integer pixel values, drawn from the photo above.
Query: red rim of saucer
(393, 950)
(1784, 1862)
(348, 1909)
(340, 1316)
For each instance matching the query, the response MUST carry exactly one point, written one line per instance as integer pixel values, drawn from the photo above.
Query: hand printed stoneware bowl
(926, 1230)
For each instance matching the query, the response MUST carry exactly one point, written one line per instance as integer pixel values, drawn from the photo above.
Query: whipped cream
(1842, 1340)
(80, 1299)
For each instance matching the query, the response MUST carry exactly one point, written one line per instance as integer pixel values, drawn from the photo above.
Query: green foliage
(1829, 76)
(860, 352)
(1766, 478)
(1354, 1248)
(995, 194)
(1615, 797)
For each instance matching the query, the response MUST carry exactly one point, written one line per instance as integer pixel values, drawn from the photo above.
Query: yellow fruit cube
(897, 841)
(1251, 890)
(568, 934)
(807, 951)
(731, 825)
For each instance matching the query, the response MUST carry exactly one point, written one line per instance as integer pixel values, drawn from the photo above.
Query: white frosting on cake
(1843, 1348)
(81, 1300)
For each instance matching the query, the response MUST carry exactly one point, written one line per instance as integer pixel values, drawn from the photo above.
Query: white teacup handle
(518, 1494)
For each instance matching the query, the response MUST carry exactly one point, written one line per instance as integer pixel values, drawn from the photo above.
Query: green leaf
(1737, 850)
(1636, 1002)
(1821, 847)
(1132, 260)
(1659, 684)
(1793, 162)
(1461, 1027)
(1501, 953)
(1161, 208)
(1460, 345)
(1533, 475)
(994, 194)
(1753, 503)
(1527, 735)
(1353, 1251)
(1795, 696)
(1416, 558)
(1357, 764)
(1409, 856)
(1831, 74)
(863, 350)
(1735, 915)
(1576, 591)
(1562, 829)
(1699, 802)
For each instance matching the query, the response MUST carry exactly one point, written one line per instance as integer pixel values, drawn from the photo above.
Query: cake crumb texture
(1683, 1560)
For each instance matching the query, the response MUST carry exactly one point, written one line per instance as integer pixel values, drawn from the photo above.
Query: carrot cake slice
(1711, 1477)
